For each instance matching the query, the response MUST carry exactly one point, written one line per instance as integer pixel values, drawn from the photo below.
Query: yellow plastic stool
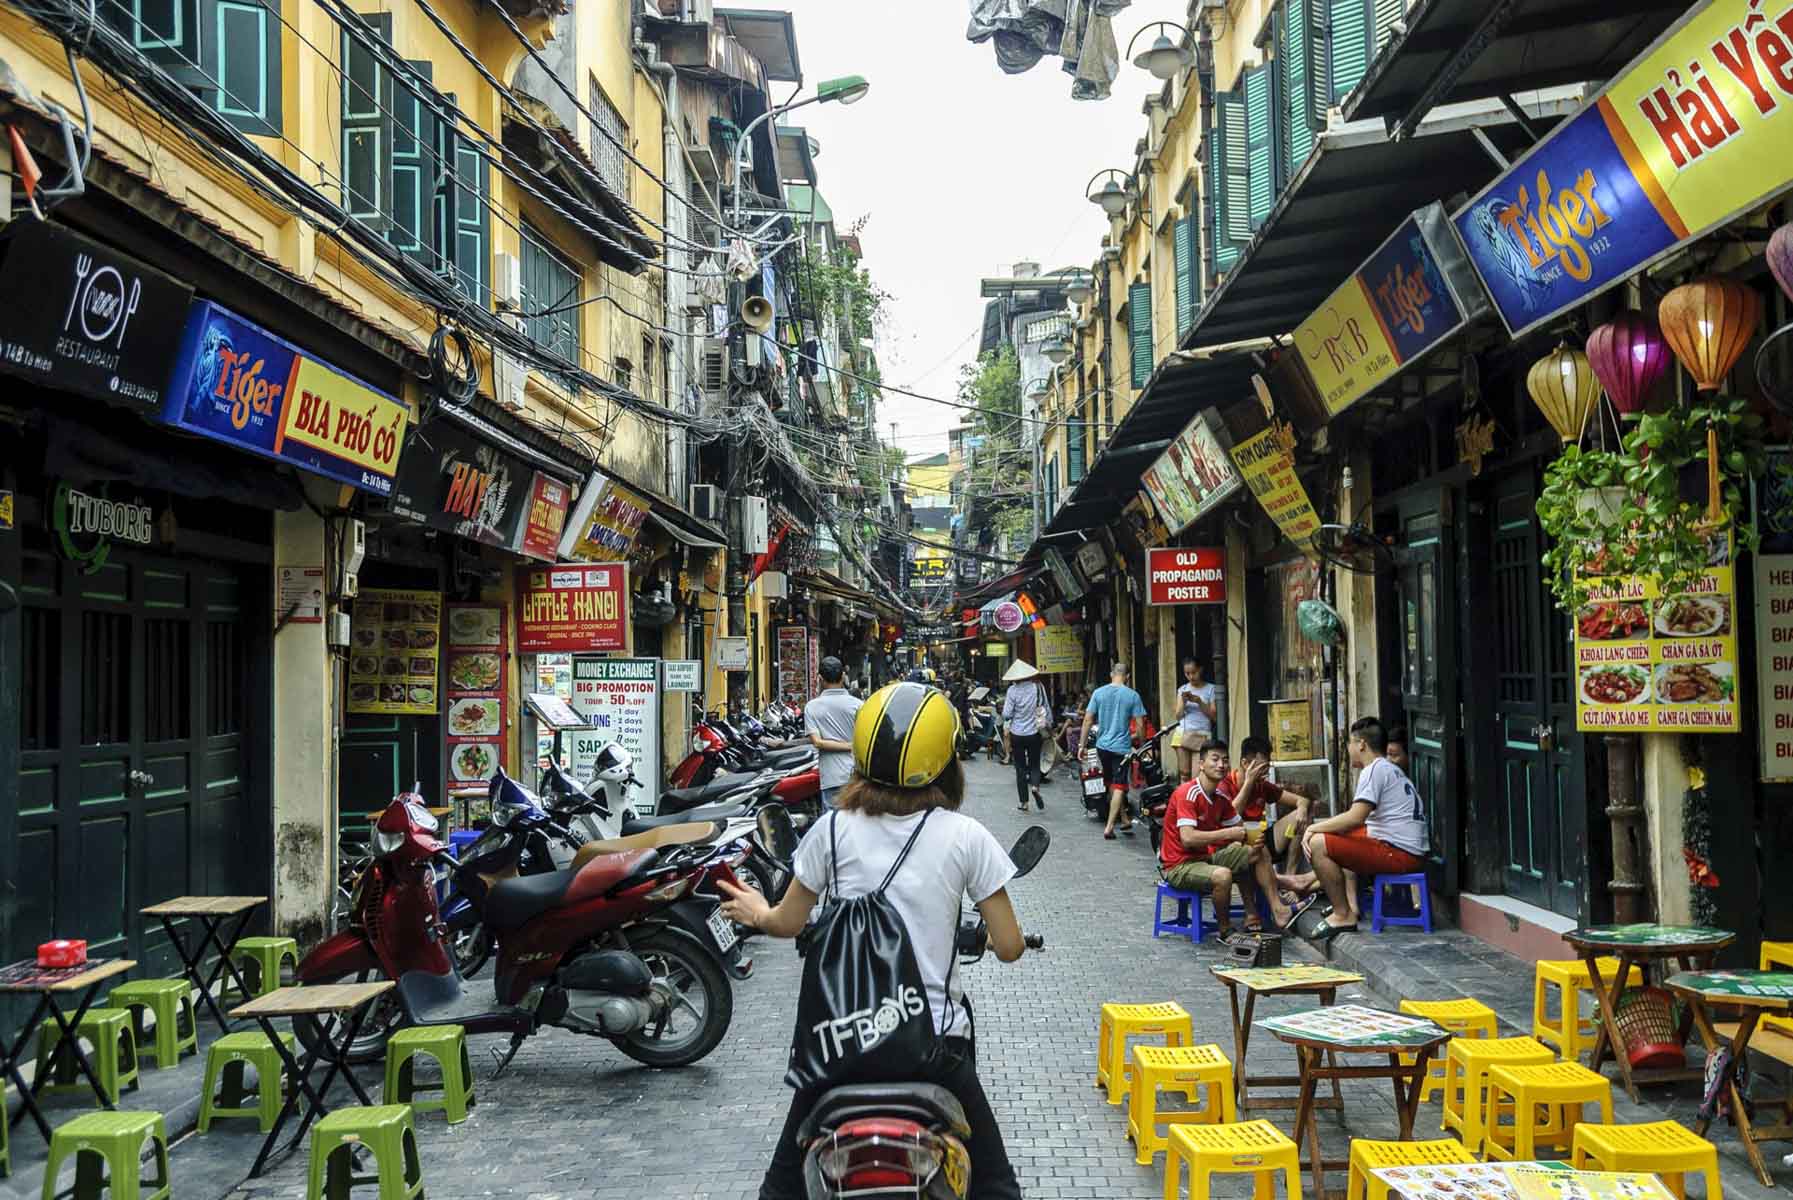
(1667, 1149)
(1777, 954)
(1185, 1069)
(1122, 1021)
(1255, 1148)
(1367, 1156)
(1466, 1066)
(1559, 1089)
(1570, 1032)
(1465, 1018)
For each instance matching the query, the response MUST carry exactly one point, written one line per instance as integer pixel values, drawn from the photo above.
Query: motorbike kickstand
(504, 1060)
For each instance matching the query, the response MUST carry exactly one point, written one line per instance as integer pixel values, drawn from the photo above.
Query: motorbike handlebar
(1034, 941)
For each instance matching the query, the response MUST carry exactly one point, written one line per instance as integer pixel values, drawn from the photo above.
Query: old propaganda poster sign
(573, 607)
(1186, 575)
(1685, 138)
(620, 699)
(1191, 477)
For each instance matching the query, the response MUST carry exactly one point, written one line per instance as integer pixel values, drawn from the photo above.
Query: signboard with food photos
(477, 645)
(393, 647)
(1649, 663)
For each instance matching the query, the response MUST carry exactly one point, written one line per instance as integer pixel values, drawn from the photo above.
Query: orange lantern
(1707, 323)
(1565, 389)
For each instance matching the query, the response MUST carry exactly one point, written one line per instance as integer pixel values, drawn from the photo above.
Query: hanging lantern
(1780, 257)
(1708, 323)
(1628, 356)
(1565, 389)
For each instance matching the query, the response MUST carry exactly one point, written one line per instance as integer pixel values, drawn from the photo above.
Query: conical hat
(1018, 670)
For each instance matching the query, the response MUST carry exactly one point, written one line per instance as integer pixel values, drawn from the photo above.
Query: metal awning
(688, 538)
(1351, 193)
(1456, 50)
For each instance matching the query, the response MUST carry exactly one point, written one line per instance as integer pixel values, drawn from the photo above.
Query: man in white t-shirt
(1382, 833)
(828, 719)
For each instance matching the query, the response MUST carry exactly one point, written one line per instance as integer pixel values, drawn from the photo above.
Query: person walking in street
(1193, 718)
(828, 719)
(1113, 710)
(1382, 833)
(905, 735)
(1027, 719)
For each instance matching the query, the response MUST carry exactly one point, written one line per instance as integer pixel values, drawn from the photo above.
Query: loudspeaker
(757, 313)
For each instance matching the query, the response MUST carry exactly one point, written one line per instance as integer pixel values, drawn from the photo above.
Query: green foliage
(1647, 526)
(834, 287)
(1000, 479)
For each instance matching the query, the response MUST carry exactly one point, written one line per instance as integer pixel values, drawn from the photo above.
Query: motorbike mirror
(1029, 849)
(778, 833)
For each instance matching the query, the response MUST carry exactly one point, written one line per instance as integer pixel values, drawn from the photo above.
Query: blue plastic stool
(1421, 919)
(1188, 920)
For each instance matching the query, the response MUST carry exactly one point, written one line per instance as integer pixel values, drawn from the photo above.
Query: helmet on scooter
(904, 735)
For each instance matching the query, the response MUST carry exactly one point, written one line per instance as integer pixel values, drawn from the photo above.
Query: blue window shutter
(1295, 58)
(367, 104)
(1139, 331)
(1183, 247)
(1260, 157)
(1349, 44)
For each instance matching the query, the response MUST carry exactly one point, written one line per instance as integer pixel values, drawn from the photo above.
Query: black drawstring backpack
(862, 1014)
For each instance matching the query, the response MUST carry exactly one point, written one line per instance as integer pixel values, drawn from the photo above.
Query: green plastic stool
(265, 955)
(447, 1044)
(225, 1060)
(116, 1141)
(170, 1001)
(114, 1059)
(387, 1132)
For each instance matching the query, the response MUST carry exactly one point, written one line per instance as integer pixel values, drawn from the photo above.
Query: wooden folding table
(1755, 994)
(49, 984)
(1301, 980)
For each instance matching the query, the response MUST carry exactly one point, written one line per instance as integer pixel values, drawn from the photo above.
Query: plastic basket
(1646, 1018)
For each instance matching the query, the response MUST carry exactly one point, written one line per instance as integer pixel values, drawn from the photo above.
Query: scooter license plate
(1093, 787)
(723, 930)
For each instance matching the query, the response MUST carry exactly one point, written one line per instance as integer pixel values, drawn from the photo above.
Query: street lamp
(1057, 350)
(1078, 291)
(1164, 58)
(848, 89)
(1113, 196)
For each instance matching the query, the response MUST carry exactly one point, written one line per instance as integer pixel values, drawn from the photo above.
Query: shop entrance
(1540, 764)
(144, 746)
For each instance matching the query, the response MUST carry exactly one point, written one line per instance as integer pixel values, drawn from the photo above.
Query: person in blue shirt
(1113, 710)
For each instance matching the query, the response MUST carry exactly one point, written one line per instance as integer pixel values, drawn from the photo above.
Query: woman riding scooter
(905, 777)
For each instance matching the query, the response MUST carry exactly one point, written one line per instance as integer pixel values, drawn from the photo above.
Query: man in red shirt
(1254, 797)
(1205, 846)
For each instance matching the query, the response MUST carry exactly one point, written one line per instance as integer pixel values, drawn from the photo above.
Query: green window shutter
(1183, 246)
(1260, 152)
(1074, 447)
(246, 34)
(1387, 13)
(1295, 60)
(367, 104)
(1211, 174)
(1139, 331)
(465, 216)
(1349, 44)
(1236, 182)
(416, 166)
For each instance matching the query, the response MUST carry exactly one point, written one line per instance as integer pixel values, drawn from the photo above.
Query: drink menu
(1649, 663)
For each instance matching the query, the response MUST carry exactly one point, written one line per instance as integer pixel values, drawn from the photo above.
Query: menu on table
(394, 643)
(474, 726)
(1517, 1181)
(1646, 663)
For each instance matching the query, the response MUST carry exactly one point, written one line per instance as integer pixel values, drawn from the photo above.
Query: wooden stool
(1777, 954)
(387, 1132)
(1465, 1018)
(1367, 1156)
(1255, 1148)
(225, 1061)
(447, 1044)
(1466, 1066)
(1570, 1032)
(1119, 1022)
(1560, 1089)
(1666, 1149)
(115, 1141)
(170, 1002)
(1185, 1069)
(114, 1060)
(265, 954)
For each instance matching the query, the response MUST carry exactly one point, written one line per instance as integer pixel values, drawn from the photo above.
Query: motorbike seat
(430, 999)
(712, 812)
(681, 833)
(607, 872)
(788, 757)
(928, 1103)
(708, 793)
(513, 902)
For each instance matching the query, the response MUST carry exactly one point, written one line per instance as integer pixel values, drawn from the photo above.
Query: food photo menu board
(394, 640)
(474, 724)
(1649, 663)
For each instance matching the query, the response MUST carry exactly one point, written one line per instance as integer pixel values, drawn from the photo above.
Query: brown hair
(875, 800)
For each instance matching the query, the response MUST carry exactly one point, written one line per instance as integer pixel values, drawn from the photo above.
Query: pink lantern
(1780, 257)
(1628, 356)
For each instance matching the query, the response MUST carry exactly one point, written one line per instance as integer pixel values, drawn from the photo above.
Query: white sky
(962, 169)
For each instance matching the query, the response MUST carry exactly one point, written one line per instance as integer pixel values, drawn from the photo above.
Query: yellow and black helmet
(904, 735)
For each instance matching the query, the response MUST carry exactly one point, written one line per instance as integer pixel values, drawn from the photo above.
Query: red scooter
(627, 946)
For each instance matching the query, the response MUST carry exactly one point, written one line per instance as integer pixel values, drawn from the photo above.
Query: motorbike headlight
(697, 744)
(386, 843)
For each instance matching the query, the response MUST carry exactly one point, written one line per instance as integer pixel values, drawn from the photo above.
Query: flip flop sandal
(1108, 836)
(1329, 931)
(1127, 829)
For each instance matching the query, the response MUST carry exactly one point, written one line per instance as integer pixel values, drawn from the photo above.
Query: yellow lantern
(1707, 323)
(1565, 389)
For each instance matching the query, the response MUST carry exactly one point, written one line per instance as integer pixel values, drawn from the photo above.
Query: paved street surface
(574, 1118)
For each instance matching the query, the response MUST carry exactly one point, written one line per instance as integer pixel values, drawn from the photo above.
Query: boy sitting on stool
(1207, 846)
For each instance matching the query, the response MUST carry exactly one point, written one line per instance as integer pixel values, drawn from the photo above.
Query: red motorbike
(627, 946)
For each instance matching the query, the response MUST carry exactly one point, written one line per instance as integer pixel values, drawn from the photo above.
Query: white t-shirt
(1194, 720)
(954, 856)
(1396, 814)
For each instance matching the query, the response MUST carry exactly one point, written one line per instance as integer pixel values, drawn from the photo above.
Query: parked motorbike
(894, 1140)
(1143, 771)
(982, 735)
(624, 945)
(718, 748)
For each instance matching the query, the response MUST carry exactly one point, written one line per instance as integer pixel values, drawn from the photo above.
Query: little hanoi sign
(573, 607)
(1186, 575)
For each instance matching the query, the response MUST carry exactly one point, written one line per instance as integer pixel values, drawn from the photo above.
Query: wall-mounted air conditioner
(706, 502)
(713, 367)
